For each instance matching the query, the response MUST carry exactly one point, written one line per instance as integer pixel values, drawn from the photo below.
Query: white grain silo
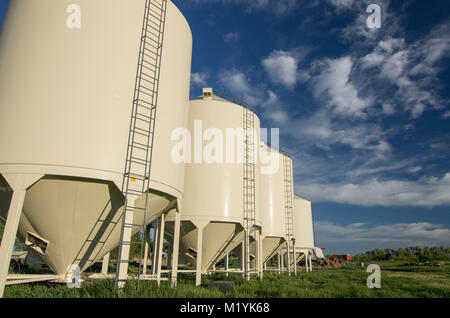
(214, 198)
(303, 230)
(273, 207)
(66, 96)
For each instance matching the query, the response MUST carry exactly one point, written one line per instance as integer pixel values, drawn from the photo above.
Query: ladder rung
(146, 67)
(158, 34)
(151, 90)
(154, 4)
(145, 161)
(140, 133)
(145, 116)
(133, 225)
(143, 145)
(152, 27)
(153, 65)
(160, 9)
(105, 221)
(136, 176)
(134, 192)
(142, 120)
(158, 17)
(150, 95)
(148, 76)
(137, 100)
(151, 45)
(133, 208)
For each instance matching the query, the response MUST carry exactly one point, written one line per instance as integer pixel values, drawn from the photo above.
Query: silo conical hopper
(213, 201)
(66, 96)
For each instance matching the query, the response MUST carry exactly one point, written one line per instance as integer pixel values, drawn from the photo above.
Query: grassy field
(397, 280)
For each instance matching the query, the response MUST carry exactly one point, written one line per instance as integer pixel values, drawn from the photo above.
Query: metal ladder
(249, 183)
(136, 177)
(289, 216)
(249, 172)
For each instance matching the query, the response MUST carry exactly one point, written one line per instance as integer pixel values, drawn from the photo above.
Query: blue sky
(365, 112)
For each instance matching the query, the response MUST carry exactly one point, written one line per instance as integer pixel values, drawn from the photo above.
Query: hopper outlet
(217, 240)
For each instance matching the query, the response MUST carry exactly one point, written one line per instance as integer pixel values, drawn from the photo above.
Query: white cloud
(446, 114)
(411, 69)
(279, 116)
(281, 67)
(333, 83)
(342, 3)
(429, 191)
(199, 79)
(238, 85)
(388, 109)
(231, 36)
(362, 237)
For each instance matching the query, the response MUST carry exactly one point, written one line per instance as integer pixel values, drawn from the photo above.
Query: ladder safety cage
(136, 177)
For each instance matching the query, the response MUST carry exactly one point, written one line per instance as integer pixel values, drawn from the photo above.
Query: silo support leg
(198, 277)
(295, 259)
(227, 260)
(155, 248)
(105, 264)
(19, 184)
(306, 262)
(198, 273)
(176, 246)
(243, 258)
(279, 263)
(259, 251)
(161, 224)
(144, 269)
(310, 263)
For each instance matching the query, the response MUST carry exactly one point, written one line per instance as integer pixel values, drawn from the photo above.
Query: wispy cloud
(199, 79)
(333, 84)
(427, 191)
(411, 68)
(231, 36)
(282, 66)
(362, 237)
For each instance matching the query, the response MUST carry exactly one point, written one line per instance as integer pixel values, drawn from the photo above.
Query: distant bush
(410, 254)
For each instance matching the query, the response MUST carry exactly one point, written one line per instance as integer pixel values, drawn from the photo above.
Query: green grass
(396, 281)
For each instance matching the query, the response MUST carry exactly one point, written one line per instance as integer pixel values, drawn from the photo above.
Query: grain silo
(273, 207)
(303, 230)
(66, 96)
(220, 185)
